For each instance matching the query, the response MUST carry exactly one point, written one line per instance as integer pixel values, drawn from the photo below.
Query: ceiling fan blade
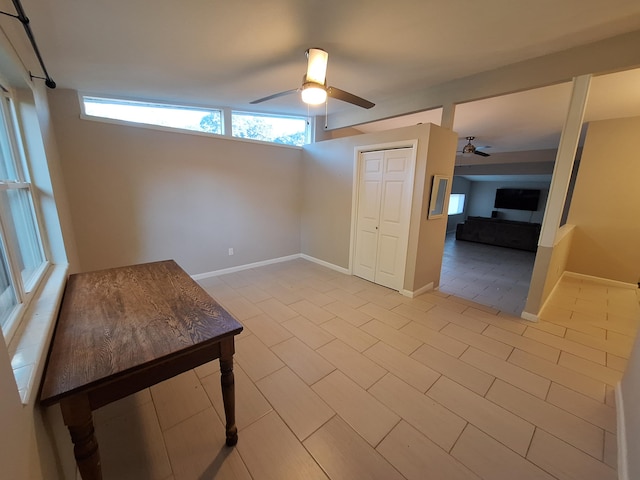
(338, 94)
(275, 95)
(482, 154)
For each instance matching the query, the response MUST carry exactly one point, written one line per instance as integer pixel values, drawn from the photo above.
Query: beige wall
(138, 194)
(328, 189)
(606, 203)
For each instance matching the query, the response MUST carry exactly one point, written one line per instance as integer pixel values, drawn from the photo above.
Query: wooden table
(124, 329)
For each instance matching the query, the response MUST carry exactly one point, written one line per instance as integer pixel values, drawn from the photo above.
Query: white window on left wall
(23, 260)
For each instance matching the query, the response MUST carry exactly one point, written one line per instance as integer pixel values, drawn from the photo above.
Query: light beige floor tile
(481, 342)
(610, 396)
(432, 419)
(304, 361)
(255, 358)
(584, 407)
(384, 315)
(611, 450)
(620, 346)
(344, 455)
(435, 339)
(266, 329)
(235, 279)
(617, 363)
(241, 308)
(271, 452)
(564, 425)
(466, 321)
(285, 295)
(519, 377)
(564, 461)
(590, 369)
(122, 406)
(208, 368)
(381, 297)
(179, 398)
(414, 455)
(492, 460)
(566, 345)
(578, 323)
(553, 313)
(353, 336)
(350, 362)
(402, 366)
(418, 303)
(512, 324)
(391, 336)
(458, 371)
(523, 343)
(559, 374)
(131, 446)
(502, 425)
(312, 312)
(250, 404)
(299, 406)
(253, 293)
(441, 299)
(347, 297)
(314, 296)
(366, 415)
(277, 310)
(419, 316)
(549, 327)
(197, 450)
(308, 332)
(353, 316)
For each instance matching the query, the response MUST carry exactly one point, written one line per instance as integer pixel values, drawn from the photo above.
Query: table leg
(76, 413)
(228, 390)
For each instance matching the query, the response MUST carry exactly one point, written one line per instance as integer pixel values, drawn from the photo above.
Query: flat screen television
(517, 199)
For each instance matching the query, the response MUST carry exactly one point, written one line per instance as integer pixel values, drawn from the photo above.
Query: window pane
(174, 116)
(30, 255)
(7, 293)
(269, 128)
(456, 204)
(7, 165)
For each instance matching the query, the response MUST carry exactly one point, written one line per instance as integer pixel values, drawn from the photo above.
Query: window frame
(24, 289)
(226, 115)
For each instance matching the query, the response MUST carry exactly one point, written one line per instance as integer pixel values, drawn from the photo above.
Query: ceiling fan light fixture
(317, 66)
(314, 93)
(468, 149)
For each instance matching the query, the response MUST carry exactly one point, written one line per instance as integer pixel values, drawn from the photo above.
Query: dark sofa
(502, 233)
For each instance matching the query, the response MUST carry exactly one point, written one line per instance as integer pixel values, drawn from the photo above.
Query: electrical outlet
(231, 251)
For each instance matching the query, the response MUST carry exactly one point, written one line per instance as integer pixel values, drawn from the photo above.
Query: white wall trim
(530, 317)
(605, 281)
(215, 273)
(325, 264)
(224, 271)
(413, 294)
(623, 467)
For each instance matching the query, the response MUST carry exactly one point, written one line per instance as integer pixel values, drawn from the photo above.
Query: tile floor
(339, 378)
(498, 277)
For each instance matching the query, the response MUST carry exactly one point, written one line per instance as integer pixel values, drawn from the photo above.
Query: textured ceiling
(222, 53)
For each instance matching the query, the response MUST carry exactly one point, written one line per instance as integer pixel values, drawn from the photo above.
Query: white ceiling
(227, 53)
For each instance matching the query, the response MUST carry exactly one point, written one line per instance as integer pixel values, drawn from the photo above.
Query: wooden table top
(118, 321)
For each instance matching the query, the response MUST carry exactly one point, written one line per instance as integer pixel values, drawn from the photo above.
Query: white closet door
(369, 195)
(384, 209)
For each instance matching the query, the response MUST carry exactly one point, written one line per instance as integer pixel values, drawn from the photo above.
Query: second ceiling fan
(470, 148)
(314, 89)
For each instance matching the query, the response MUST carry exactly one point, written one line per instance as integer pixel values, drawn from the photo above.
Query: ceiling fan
(469, 149)
(314, 88)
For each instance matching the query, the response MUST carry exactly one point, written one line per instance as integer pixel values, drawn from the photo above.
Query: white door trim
(413, 145)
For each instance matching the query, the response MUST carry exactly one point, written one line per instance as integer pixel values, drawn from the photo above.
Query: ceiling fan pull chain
(326, 113)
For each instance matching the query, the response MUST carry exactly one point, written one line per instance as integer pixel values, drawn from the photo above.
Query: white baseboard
(412, 294)
(530, 317)
(325, 264)
(604, 281)
(224, 271)
(623, 467)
